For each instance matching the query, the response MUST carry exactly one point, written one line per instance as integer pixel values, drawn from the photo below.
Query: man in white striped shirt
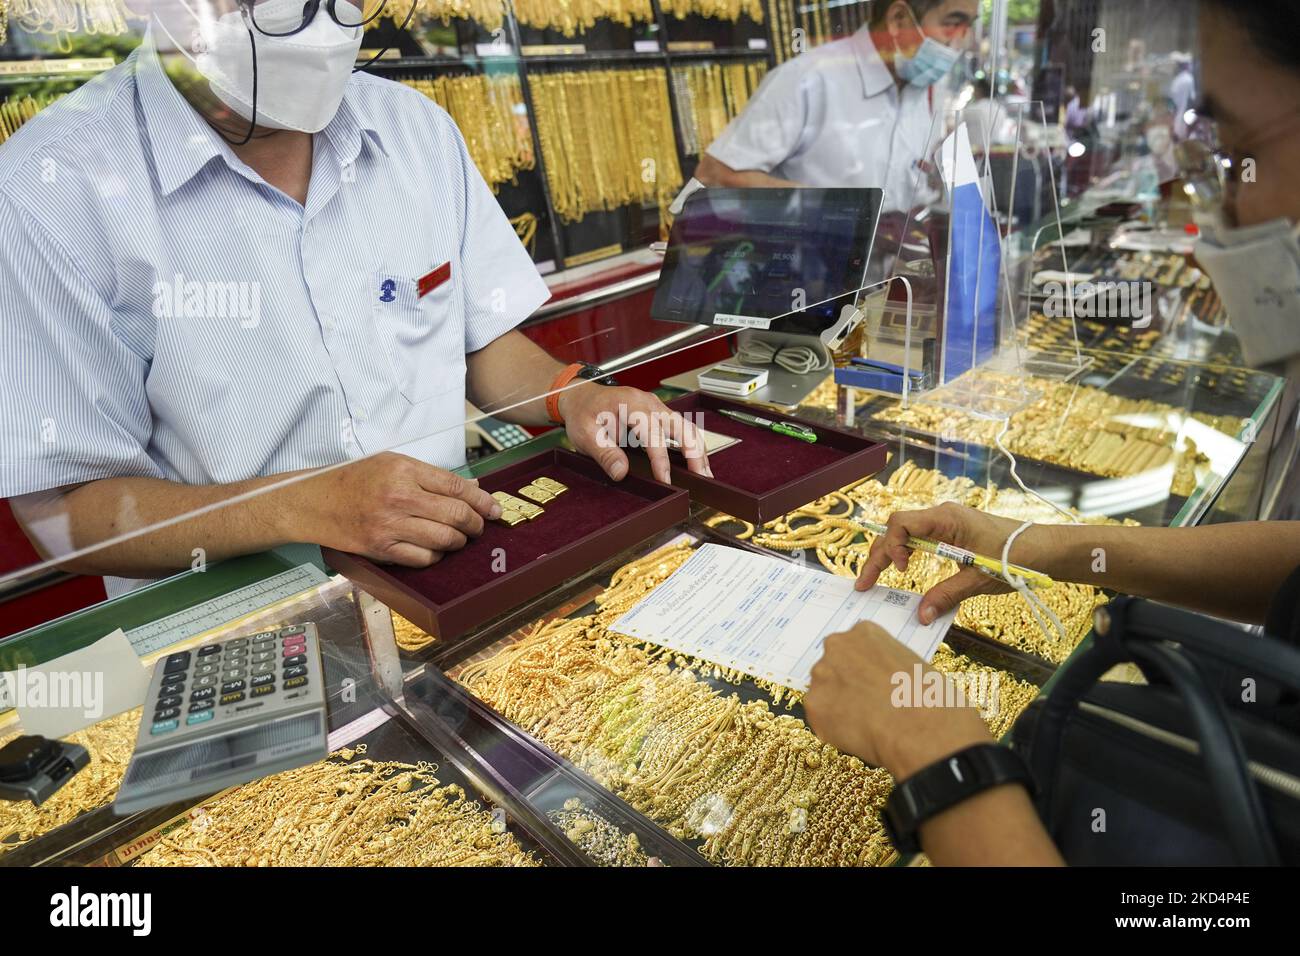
(214, 277)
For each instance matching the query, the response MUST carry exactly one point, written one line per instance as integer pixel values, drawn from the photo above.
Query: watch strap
(946, 783)
(557, 389)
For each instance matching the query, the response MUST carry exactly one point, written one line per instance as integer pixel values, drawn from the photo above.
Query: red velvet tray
(768, 475)
(590, 523)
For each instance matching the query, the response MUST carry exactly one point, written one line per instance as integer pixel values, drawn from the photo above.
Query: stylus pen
(780, 428)
(969, 559)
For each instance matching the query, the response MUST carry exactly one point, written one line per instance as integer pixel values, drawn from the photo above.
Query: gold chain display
(716, 9)
(343, 812)
(4, 21)
(62, 18)
(409, 637)
(607, 140)
(709, 96)
(490, 14)
(16, 111)
(1077, 426)
(490, 112)
(573, 16)
(824, 528)
(812, 19)
(110, 744)
(754, 786)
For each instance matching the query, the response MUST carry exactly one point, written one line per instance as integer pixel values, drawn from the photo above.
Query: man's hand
(852, 705)
(958, 525)
(392, 508)
(595, 414)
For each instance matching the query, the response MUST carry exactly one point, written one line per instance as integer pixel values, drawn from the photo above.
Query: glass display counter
(541, 738)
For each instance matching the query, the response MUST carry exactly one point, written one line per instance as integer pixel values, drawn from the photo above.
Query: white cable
(1037, 607)
(1015, 474)
(798, 359)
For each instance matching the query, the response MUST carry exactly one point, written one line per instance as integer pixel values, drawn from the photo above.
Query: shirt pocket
(423, 337)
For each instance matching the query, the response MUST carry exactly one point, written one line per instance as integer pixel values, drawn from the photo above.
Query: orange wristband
(553, 399)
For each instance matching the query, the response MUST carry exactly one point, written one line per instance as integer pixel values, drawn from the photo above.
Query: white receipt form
(767, 617)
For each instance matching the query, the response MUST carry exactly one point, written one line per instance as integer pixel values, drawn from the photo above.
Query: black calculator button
(198, 705)
(294, 671)
(293, 682)
(165, 702)
(295, 661)
(232, 685)
(262, 691)
(169, 690)
(234, 698)
(209, 650)
(205, 693)
(262, 679)
(177, 663)
(166, 713)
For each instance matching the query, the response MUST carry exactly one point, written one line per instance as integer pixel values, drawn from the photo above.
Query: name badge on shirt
(434, 280)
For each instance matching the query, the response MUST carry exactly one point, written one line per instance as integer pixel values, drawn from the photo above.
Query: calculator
(226, 713)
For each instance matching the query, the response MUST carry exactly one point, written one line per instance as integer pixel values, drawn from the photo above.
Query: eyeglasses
(284, 18)
(1210, 173)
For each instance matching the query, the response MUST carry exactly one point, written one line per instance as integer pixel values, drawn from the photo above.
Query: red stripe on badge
(434, 279)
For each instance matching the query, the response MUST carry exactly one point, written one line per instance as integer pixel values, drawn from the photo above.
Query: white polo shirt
(835, 117)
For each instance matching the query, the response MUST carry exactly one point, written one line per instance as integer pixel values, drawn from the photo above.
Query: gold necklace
(490, 115)
(607, 139)
(571, 17)
(342, 812)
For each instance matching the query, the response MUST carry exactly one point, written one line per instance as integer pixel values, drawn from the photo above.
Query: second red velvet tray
(768, 475)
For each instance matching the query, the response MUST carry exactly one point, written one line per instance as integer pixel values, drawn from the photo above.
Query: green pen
(781, 428)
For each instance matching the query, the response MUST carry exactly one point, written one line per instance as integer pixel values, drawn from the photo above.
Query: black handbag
(1200, 766)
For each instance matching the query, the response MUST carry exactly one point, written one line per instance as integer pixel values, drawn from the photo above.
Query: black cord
(370, 62)
(252, 120)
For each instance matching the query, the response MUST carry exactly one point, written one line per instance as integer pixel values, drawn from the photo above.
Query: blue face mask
(930, 64)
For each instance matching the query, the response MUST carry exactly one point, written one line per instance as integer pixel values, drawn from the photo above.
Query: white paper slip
(766, 617)
(78, 689)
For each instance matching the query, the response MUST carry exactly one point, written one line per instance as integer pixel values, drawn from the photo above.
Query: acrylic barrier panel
(964, 255)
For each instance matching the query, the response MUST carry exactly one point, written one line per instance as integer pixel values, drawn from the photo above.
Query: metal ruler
(220, 611)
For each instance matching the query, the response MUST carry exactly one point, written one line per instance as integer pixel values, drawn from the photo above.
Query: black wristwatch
(594, 373)
(943, 785)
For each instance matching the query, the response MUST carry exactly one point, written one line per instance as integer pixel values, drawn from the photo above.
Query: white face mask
(300, 79)
(928, 65)
(1256, 271)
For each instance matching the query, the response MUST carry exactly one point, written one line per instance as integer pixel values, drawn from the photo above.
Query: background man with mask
(365, 281)
(1250, 59)
(853, 113)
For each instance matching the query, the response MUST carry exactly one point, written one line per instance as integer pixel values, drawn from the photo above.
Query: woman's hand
(865, 700)
(964, 527)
